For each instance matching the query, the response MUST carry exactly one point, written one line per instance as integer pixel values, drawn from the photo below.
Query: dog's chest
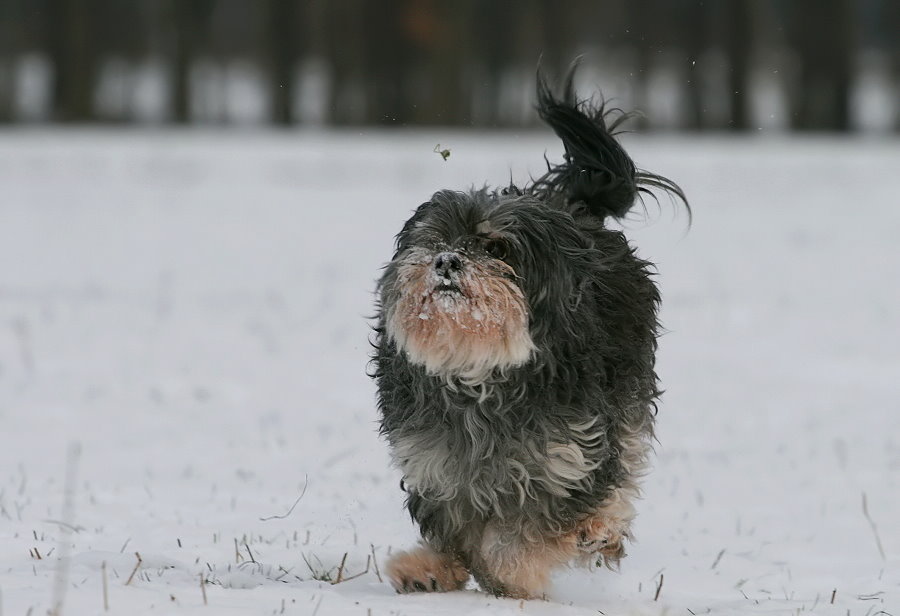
(486, 468)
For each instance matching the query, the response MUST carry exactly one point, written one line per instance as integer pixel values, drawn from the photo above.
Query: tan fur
(602, 535)
(465, 335)
(424, 570)
(521, 568)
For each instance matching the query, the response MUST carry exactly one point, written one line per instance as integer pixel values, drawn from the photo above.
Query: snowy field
(183, 343)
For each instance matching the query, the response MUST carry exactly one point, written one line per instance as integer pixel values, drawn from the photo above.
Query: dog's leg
(518, 568)
(602, 535)
(425, 570)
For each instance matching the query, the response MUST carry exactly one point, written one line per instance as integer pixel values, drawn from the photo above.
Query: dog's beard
(465, 324)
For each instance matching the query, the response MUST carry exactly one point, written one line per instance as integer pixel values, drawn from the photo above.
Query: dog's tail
(597, 171)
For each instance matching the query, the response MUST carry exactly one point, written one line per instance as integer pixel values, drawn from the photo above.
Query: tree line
(460, 62)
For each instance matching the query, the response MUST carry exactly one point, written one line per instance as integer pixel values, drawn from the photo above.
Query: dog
(514, 361)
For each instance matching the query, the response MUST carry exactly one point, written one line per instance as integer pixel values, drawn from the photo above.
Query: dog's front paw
(604, 539)
(424, 570)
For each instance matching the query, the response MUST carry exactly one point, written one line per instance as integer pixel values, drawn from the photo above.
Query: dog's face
(472, 277)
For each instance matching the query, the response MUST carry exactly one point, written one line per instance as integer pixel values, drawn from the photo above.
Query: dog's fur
(514, 356)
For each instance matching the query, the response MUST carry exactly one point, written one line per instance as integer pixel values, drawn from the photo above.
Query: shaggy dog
(514, 360)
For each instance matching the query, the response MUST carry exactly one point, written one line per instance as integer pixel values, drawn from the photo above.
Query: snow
(183, 331)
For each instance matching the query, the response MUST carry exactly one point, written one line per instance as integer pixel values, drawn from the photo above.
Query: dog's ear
(597, 170)
(401, 239)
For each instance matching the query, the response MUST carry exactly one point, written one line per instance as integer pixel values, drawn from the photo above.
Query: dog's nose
(446, 263)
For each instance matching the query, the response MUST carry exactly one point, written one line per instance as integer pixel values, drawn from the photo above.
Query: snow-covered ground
(183, 333)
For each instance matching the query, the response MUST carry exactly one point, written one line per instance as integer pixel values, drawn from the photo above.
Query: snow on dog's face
(451, 297)
(458, 314)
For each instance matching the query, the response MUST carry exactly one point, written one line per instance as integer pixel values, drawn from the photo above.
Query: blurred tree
(892, 25)
(822, 33)
(738, 48)
(642, 37)
(668, 35)
(283, 43)
(73, 48)
(491, 32)
(189, 21)
(439, 42)
(122, 30)
(550, 35)
(346, 56)
(693, 28)
(388, 56)
(879, 28)
(8, 49)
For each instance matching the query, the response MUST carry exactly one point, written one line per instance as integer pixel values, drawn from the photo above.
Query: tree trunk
(73, 50)
(737, 48)
(823, 36)
(281, 46)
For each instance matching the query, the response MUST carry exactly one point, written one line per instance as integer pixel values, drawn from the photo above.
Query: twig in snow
(252, 560)
(316, 611)
(375, 562)
(203, 588)
(865, 507)
(360, 574)
(291, 510)
(340, 572)
(833, 593)
(137, 566)
(659, 587)
(105, 588)
(718, 558)
(122, 551)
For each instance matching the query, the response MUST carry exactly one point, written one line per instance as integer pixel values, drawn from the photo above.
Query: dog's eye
(497, 248)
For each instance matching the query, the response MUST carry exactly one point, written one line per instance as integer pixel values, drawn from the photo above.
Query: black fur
(592, 317)
(597, 171)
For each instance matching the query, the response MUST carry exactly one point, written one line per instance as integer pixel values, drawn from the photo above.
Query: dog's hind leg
(425, 570)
